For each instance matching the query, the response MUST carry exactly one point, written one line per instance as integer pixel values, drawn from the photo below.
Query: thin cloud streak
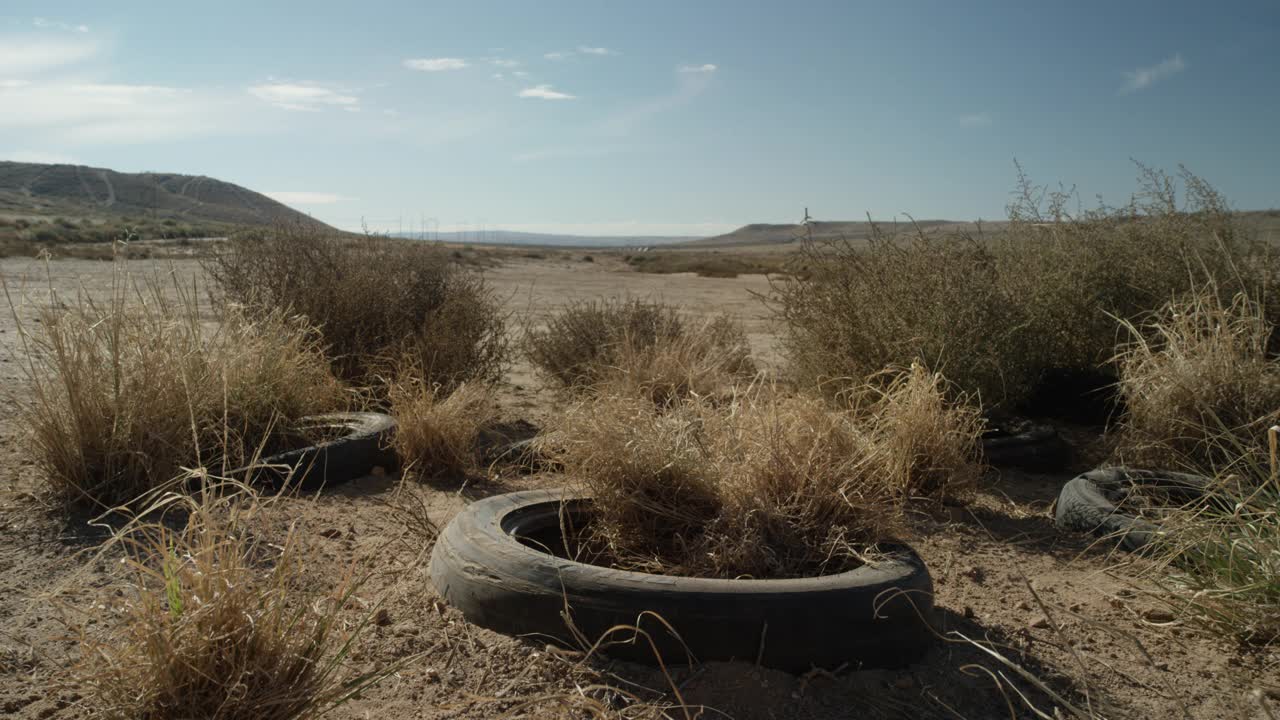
(692, 81)
(545, 92)
(46, 24)
(39, 156)
(303, 97)
(301, 197)
(436, 64)
(109, 113)
(1143, 78)
(23, 56)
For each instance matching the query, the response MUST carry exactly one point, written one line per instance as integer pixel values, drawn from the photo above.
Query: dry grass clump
(1224, 557)
(1198, 384)
(127, 391)
(996, 312)
(1202, 393)
(376, 301)
(639, 346)
(927, 442)
(763, 485)
(439, 429)
(217, 624)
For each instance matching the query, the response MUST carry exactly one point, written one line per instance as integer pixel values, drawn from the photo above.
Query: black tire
(1092, 502)
(366, 445)
(872, 616)
(1034, 447)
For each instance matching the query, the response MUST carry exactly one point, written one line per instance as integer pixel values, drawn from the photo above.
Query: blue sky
(648, 117)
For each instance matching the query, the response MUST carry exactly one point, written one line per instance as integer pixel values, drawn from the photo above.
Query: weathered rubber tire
(872, 616)
(1036, 448)
(365, 446)
(1090, 503)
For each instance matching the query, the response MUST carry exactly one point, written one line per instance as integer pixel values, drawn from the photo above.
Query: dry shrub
(128, 390)
(762, 485)
(439, 430)
(707, 359)
(927, 442)
(218, 624)
(996, 312)
(376, 301)
(638, 346)
(1202, 392)
(1198, 384)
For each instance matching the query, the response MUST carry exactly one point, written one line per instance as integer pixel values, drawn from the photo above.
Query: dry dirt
(1081, 622)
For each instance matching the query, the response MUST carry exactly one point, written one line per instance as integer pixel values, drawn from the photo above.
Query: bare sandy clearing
(992, 562)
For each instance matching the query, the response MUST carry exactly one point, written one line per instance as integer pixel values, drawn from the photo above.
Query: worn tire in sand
(1093, 502)
(872, 616)
(365, 445)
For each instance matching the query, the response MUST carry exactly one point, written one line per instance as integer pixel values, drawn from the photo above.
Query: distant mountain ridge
(776, 234)
(79, 190)
(512, 237)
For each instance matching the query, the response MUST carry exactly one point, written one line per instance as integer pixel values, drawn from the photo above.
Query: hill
(30, 190)
(769, 234)
(1265, 222)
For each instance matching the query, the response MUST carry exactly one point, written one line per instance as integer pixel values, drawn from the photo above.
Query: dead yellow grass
(928, 442)
(439, 429)
(375, 300)
(1199, 386)
(217, 625)
(640, 347)
(761, 484)
(126, 392)
(1000, 312)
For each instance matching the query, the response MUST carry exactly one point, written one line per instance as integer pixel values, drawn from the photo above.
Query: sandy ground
(1079, 621)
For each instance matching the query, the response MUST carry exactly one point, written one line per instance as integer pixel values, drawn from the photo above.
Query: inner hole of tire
(554, 530)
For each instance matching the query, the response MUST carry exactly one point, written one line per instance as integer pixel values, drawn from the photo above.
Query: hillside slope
(767, 234)
(80, 191)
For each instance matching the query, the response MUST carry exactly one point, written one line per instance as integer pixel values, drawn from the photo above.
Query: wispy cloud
(691, 81)
(435, 64)
(46, 78)
(305, 97)
(298, 197)
(505, 62)
(520, 74)
(544, 92)
(25, 56)
(39, 156)
(581, 50)
(497, 76)
(1145, 77)
(982, 119)
(47, 24)
(109, 113)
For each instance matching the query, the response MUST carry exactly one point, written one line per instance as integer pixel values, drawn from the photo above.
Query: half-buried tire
(1095, 502)
(1027, 446)
(364, 443)
(488, 564)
